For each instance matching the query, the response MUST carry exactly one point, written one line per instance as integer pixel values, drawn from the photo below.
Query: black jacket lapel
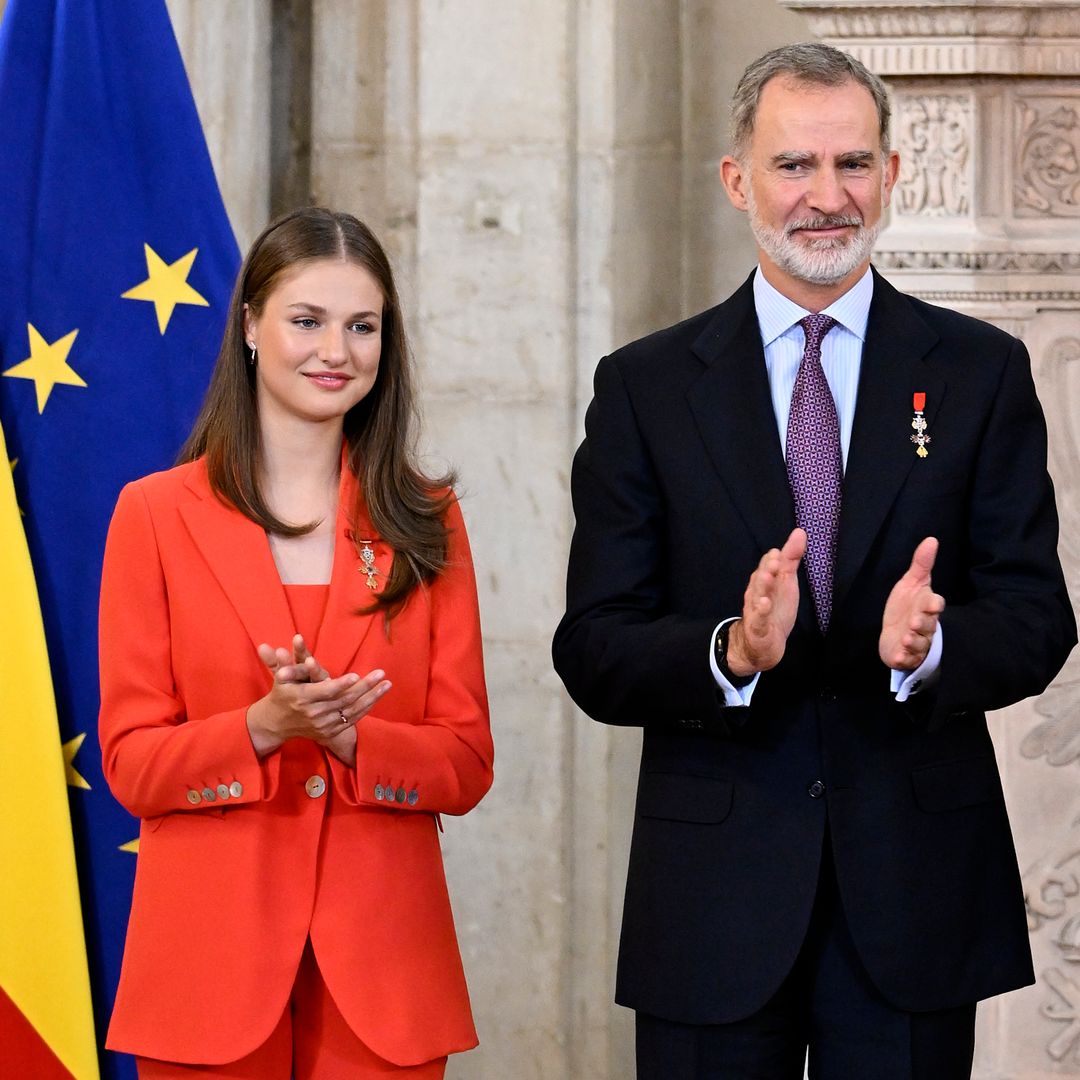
(732, 408)
(881, 453)
(733, 411)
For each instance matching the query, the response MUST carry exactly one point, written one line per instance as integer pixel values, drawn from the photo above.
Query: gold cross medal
(367, 557)
(918, 422)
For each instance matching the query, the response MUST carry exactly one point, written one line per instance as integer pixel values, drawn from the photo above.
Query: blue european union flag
(116, 264)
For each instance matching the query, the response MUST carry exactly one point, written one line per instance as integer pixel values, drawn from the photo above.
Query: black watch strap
(722, 636)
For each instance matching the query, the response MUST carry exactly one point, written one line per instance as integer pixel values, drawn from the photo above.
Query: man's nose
(827, 193)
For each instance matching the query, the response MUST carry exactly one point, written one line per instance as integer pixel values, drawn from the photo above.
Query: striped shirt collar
(777, 314)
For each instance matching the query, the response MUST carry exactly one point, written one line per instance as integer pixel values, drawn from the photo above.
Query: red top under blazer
(228, 890)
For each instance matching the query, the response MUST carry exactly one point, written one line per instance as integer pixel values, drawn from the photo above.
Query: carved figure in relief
(935, 146)
(1048, 161)
(1052, 883)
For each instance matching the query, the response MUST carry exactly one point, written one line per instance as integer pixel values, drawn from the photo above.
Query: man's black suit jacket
(678, 488)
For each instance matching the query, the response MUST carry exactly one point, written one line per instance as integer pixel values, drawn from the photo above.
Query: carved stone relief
(1065, 1007)
(1024, 37)
(894, 20)
(1052, 883)
(934, 136)
(1047, 182)
(1023, 262)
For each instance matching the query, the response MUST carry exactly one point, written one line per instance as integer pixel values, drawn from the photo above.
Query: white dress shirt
(841, 358)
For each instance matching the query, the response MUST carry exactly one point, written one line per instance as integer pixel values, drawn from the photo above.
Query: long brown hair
(404, 506)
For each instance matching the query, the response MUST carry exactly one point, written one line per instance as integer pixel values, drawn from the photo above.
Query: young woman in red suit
(292, 693)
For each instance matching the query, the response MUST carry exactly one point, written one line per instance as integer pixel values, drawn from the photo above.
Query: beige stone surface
(226, 50)
(718, 41)
(503, 66)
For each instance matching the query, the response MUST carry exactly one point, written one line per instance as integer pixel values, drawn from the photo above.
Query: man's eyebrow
(805, 157)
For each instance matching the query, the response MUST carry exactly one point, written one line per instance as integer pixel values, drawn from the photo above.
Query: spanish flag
(46, 1019)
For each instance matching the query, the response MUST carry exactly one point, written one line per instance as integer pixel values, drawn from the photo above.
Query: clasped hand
(305, 702)
(771, 602)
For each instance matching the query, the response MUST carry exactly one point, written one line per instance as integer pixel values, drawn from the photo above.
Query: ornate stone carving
(962, 298)
(1047, 157)
(867, 18)
(1066, 1008)
(934, 138)
(1022, 262)
(1003, 38)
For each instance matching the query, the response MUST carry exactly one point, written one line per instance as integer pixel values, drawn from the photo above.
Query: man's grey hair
(809, 62)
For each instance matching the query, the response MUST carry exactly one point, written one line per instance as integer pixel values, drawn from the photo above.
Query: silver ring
(344, 718)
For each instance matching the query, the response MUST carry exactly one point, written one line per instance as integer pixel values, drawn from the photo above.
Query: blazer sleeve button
(194, 797)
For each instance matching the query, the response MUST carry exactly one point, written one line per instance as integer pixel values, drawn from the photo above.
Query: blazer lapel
(881, 453)
(732, 409)
(237, 552)
(343, 630)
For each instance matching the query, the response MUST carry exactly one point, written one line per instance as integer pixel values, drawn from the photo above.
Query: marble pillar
(226, 50)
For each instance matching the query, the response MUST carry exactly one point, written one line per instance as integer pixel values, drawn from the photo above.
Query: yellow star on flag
(131, 846)
(47, 365)
(71, 748)
(166, 286)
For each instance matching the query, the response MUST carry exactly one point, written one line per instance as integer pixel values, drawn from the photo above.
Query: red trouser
(312, 1041)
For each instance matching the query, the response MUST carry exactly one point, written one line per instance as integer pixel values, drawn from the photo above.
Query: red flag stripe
(23, 1052)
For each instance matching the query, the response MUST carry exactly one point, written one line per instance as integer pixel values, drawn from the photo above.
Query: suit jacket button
(379, 792)
(236, 789)
(194, 797)
(208, 794)
(315, 786)
(223, 791)
(816, 789)
(400, 795)
(414, 797)
(827, 694)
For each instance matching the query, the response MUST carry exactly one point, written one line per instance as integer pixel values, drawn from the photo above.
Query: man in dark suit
(815, 541)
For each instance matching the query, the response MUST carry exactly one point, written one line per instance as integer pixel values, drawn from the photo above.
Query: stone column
(523, 165)
(226, 50)
(986, 219)
(448, 127)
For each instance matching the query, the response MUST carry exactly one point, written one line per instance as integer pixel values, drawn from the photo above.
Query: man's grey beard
(821, 261)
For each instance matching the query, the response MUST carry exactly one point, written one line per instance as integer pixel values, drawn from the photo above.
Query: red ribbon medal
(920, 438)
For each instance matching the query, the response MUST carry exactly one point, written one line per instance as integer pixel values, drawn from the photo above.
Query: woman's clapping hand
(305, 702)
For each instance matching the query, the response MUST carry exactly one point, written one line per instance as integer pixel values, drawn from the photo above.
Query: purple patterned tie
(814, 464)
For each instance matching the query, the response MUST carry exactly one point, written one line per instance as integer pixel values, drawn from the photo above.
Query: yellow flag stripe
(42, 949)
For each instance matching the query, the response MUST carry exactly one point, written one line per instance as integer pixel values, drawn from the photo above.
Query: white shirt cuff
(906, 683)
(733, 696)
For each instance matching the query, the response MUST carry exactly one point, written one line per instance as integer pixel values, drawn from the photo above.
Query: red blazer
(228, 889)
